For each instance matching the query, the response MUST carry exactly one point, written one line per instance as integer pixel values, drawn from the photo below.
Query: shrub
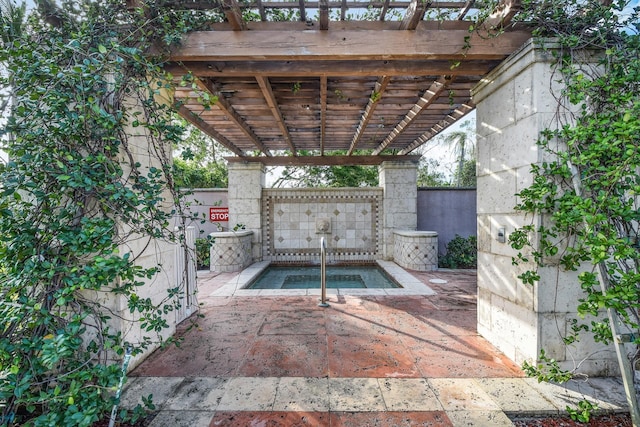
(461, 253)
(203, 245)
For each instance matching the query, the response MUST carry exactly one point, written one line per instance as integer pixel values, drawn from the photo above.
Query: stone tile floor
(364, 361)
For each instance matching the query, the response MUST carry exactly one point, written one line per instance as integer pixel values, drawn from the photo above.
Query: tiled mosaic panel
(416, 253)
(230, 253)
(292, 216)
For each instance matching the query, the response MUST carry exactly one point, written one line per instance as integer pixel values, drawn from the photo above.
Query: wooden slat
(323, 112)
(209, 130)
(343, 10)
(323, 160)
(374, 99)
(224, 106)
(352, 45)
(267, 92)
(427, 98)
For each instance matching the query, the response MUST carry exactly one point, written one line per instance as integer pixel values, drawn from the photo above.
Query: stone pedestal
(416, 250)
(231, 250)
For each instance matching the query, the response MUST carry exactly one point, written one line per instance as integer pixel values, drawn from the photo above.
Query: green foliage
(190, 175)
(203, 246)
(329, 176)
(82, 96)
(583, 412)
(466, 177)
(461, 253)
(583, 200)
(428, 176)
(547, 370)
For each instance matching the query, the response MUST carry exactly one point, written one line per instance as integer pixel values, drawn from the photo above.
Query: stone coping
(240, 233)
(414, 233)
(410, 284)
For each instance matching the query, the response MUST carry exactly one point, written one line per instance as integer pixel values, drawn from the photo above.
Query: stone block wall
(514, 104)
(398, 182)
(246, 181)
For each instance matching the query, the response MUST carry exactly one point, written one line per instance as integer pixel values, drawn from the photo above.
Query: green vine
(585, 192)
(83, 217)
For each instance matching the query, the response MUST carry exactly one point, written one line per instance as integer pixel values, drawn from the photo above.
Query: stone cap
(239, 233)
(414, 233)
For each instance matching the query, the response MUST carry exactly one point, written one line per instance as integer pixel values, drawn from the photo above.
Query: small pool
(308, 277)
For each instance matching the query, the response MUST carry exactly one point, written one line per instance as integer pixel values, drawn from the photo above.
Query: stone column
(246, 181)
(398, 180)
(515, 102)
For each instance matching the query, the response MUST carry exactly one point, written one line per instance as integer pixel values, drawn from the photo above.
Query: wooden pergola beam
(502, 15)
(228, 110)
(322, 160)
(233, 13)
(340, 68)
(269, 96)
(323, 18)
(303, 12)
(375, 97)
(450, 119)
(414, 14)
(336, 4)
(427, 98)
(359, 45)
(465, 10)
(205, 127)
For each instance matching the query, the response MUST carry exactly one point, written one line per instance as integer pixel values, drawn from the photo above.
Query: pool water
(339, 277)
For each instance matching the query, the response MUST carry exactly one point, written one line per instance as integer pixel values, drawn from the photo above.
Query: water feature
(309, 277)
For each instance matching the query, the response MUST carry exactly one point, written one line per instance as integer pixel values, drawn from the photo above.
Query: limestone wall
(398, 182)
(246, 181)
(514, 104)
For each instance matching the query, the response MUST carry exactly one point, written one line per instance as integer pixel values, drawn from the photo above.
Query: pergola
(346, 82)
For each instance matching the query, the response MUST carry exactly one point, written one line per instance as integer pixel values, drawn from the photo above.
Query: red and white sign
(219, 214)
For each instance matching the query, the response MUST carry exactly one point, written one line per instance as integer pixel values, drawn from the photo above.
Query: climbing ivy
(87, 192)
(586, 189)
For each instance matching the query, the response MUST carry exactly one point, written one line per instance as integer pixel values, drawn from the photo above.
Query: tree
(428, 175)
(467, 177)
(328, 176)
(462, 141)
(191, 175)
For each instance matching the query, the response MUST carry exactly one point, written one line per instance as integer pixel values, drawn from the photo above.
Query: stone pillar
(398, 180)
(246, 181)
(514, 104)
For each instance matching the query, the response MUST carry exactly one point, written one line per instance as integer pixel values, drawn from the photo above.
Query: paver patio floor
(365, 360)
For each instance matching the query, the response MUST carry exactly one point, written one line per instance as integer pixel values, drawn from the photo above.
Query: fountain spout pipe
(323, 273)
